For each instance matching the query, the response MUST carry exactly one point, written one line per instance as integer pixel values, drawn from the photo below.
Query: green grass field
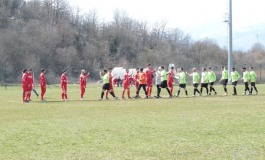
(214, 127)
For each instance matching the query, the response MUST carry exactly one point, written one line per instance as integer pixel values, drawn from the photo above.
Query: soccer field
(213, 127)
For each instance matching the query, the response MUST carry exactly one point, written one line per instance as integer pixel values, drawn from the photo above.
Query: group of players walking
(144, 79)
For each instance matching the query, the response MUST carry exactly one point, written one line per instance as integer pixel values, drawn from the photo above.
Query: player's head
(141, 69)
(222, 68)
(250, 68)
(30, 70)
(162, 67)
(105, 71)
(42, 70)
(203, 69)
(243, 68)
(233, 69)
(172, 68)
(194, 69)
(64, 71)
(137, 70)
(110, 69)
(24, 71)
(127, 70)
(83, 71)
(148, 65)
(180, 69)
(209, 68)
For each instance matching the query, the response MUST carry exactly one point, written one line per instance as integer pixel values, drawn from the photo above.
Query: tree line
(53, 35)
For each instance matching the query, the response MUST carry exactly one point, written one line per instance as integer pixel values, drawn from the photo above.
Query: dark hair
(64, 70)
(162, 67)
(141, 69)
(204, 69)
(172, 67)
(243, 67)
(181, 68)
(137, 68)
(110, 68)
(30, 69)
(42, 70)
(251, 67)
(209, 67)
(148, 64)
(105, 71)
(222, 67)
(24, 71)
(233, 68)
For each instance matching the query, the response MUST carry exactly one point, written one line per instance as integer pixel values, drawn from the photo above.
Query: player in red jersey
(149, 79)
(30, 84)
(111, 83)
(24, 85)
(82, 80)
(136, 78)
(126, 84)
(170, 77)
(42, 84)
(64, 82)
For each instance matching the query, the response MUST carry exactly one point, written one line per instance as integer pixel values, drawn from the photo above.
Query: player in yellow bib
(253, 78)
(245, 79)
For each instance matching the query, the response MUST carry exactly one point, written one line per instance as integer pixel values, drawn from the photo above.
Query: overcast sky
(199, 18)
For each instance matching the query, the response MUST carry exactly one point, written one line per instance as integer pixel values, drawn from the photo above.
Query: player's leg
(145, 91)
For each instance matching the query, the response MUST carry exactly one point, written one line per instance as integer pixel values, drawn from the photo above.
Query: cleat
(225, 94)
(81, 99)
(215, 93)
(234, 94)
(170, 96)
(257, 93)
(123, 97)
(107, 97)
(210, 94)
(146, 97)
(206, 95)
(100, 99)
(193, 95)
(116, 98)
(156, 97)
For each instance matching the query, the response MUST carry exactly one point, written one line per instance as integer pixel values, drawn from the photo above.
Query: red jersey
(82, 79)
(136, 77)
(24, 79)
(149, 73)
(126, 79)
(63, 79)
(30, 79)
(170, 76)
(110, 79)
(42, 79)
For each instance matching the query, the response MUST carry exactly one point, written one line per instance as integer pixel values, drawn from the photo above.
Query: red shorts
(149, 84)
(170, 84)
(64, 88)
(111, 86)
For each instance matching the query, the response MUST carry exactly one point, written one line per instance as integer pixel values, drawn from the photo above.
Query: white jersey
(158, 78)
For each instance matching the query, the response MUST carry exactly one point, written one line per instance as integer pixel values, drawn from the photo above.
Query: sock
(62, 95)
(251, 89)
(211, 89)
(178, 92)
(168, 91)
(159, 91)
(207, 90)
(194, 91)
(107, 94)
(66, 95)
(111, 93)
(225, 90)
(128, 92)
(256, 89)
(235, 90)
(197, 90)
(186, 93)
(102, 94)
(201, 91)
(123, 93)
(171, 91)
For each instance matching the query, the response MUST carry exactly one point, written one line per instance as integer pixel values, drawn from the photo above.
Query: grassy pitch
(213, 127)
